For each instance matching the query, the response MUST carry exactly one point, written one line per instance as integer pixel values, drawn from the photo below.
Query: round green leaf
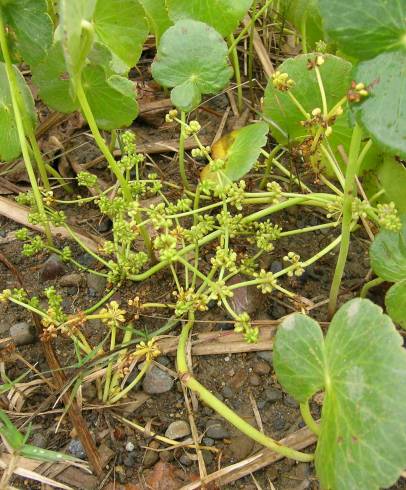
(362, 365)
(305, 16)
(157, 15)
(9, 142)
(31, 26)
(363, 427)
(53, 81)
(385, 77)
(365, 28)
(299, 356)
(388, 254)
(122, 26)
(192, 52)
(395, 302)
(112, 99)
(223, 15)
(284, 116)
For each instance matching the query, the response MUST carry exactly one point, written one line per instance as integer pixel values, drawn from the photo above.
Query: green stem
(110, 364)
(236, 65)
(349, 188)
(269, 163)
(132, 384)
(248, 26)
(37, 156)
(307, 417)
(12, 80)
(181, 154)
(251, 56)
(369, 285)
(215, 404)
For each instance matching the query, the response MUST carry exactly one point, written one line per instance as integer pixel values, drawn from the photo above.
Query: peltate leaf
(112, 99)
(299, 356)
(305, 16)
(285, 117)
(365, 28)
(385, 77)
(122, 26)
(388, 254)
(31, 26)
(240, 149)
(53, 81)
(157, 15)
(193, 52)
(362, 444)
(223, 15)
(9, 142)
(395, 302)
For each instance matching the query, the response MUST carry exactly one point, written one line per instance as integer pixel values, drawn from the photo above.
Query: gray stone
(208, 441)
(272, 395)
(216, 430)
(278, 423)
(97, 283)
(22, 333)
(68, 280)
(185, 460)
(208, 457)
(52, 268)
(227, 392)
(290, 402)
(39, 439)
(177, 430)
(164, 360)
(76, 449)
(157, 381)
(266, 355)
(130, 460)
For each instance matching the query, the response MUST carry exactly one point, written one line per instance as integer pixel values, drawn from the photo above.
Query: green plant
(388, 261)
(211, 234)
(360, 365)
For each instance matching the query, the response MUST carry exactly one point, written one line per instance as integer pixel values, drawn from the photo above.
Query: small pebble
(39, 440)
(262, 368)
(208, 441)
(129, 446)
(151, 457)
(272, 395)
(71, 280)
(266, 355)
(227, 392)
(157, 381)
(165, 361)
(254, 380)
(216, 430)
(276, 266)
(278, 423)
(76, 449)
(177, 430)
(22, 333)
(290, 402)
(185, 460)
(52, 268)
(96, 283)
(130, 460)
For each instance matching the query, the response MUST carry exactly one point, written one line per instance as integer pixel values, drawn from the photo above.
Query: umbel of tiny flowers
(297, 266)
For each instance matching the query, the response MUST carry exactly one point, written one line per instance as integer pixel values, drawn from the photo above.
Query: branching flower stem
(222, 409)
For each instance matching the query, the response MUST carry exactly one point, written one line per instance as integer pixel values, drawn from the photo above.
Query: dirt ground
(245, 381)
